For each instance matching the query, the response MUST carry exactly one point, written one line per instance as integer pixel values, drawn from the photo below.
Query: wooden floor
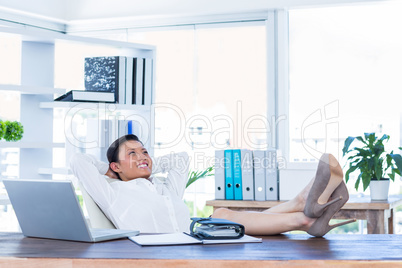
(296, 250)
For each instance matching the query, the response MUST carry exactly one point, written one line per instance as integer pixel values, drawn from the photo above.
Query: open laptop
(50, 209)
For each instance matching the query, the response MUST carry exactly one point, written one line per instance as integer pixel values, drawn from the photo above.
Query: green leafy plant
(11, 131)
(2, 129)
(370, 159)
(193, 176)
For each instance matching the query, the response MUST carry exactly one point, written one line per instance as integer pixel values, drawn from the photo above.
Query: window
(174, 88)
(210, 85)
(345, 66)
(10, 52)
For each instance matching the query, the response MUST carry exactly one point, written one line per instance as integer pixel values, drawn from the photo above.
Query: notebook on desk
(50, 209)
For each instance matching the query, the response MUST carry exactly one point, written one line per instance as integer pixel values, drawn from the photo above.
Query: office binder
(130, 127)
(130, 87)
(229, 191)
(259, 175)
(121, 95)
(138, 81)
(147, 97)
(271, 175)
(106, 74)
(219, 174)
(87, 96)
(237, 175)
(247, 173)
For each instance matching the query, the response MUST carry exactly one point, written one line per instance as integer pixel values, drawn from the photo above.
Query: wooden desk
(379, 215)
(297, 250)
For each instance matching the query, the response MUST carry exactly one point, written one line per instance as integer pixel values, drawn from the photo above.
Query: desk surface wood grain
(277, 248)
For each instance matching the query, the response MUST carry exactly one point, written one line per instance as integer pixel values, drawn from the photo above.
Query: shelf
(92, 105)
(51, 171)
(32, 89)
(31, 145)
(51, 37)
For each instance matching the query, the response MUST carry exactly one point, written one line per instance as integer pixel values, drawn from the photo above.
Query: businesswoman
(137, 200)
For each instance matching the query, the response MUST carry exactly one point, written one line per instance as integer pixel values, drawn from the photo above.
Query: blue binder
(130, 127)
(237, 176)
(229, 191)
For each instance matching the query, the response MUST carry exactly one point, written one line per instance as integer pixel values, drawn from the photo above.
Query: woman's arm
(176, 165)
(92, 173)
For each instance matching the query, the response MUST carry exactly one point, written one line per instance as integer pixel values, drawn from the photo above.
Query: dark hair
(113, 150)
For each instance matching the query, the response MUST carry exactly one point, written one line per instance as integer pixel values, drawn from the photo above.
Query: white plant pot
(379, 189)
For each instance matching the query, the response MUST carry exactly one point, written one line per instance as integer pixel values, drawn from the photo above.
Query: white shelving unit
(32, 89)
(38, 92)
(90, 105)
(31, 145)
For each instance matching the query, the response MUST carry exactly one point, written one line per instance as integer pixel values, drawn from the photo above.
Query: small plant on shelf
(11, 131)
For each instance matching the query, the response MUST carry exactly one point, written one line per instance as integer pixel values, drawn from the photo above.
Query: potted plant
(11, 131)
(373, 164)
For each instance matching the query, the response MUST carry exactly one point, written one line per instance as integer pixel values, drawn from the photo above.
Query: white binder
(148, 81)
(219, 174)
(259, 175)
(271, 175)
(247, 174)
(130, 87)
(122, 80)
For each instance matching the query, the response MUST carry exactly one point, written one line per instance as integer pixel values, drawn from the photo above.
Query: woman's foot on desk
(321, 226)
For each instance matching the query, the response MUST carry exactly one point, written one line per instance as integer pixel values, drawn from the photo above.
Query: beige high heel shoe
(328, 177)
(321, 226)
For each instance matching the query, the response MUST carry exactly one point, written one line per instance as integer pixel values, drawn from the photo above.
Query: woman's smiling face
(134, 161)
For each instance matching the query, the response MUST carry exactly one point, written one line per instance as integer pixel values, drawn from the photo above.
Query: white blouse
(139, 204)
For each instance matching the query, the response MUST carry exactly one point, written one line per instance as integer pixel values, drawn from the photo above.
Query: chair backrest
(97, 219)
